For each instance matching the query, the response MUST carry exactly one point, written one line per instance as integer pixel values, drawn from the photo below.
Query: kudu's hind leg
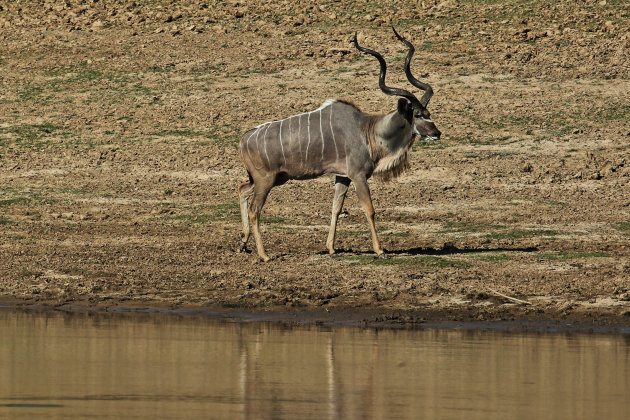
(341, 187)
(363, 193)
(261, 190)
(245, 191)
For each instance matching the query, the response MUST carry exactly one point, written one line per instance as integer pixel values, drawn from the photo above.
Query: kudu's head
(410, 108)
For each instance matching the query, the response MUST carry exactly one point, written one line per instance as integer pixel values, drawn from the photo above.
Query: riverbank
(506, 320)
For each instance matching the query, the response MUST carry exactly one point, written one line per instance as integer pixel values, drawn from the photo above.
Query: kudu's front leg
(341, 187)
(245, 191)
(363, 193)
(261, 190)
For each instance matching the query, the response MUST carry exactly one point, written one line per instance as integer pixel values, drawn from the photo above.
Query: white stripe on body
(247, 142)
(265, 143)
(298, 137)
(290, 132)
(281, 145)
(333, 134)
(257, 134)
(308, 129)
(327, 103)
(321, 132)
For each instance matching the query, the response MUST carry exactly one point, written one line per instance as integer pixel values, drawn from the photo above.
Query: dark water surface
(58, 365)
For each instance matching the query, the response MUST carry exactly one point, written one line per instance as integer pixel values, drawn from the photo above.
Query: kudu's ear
(404, 107)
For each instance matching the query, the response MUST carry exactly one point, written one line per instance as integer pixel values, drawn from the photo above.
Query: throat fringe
(388, 166)
(388, 174)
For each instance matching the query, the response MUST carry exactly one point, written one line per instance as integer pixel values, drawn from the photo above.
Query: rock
(595, 176)
(339, 50)
(299, 20)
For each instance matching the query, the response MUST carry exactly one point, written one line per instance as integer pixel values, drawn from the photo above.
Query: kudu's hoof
(383, 256)
(260, 260)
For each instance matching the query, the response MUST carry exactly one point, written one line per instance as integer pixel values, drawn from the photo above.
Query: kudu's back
(307, 145)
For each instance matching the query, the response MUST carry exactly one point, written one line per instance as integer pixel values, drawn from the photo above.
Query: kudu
(336, 139)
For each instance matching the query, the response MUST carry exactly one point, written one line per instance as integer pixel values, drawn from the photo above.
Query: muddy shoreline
(507, 319)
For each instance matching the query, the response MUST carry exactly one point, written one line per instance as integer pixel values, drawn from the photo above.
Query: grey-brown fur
(335, 139)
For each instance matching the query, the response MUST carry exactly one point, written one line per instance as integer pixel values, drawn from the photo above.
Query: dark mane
(343, 101)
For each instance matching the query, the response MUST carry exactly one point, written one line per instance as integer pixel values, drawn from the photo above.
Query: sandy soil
(119, 124)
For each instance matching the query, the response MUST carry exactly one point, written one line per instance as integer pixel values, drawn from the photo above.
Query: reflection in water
(167, 366)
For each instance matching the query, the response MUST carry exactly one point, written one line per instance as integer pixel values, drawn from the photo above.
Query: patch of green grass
(196, 218)
(493, 257)
(569, 255)
(84, 75)
(623, 226)
(27, 135)
(522, 233)
(426, 261)
(473, 139)
(615, 112)
(379, 230)
(72, 190)
(429, 145)
(5, 221)
(178, 133)
(545, 202)
(398, 234)
(28, 273)
(15, 200)
(455, 227)
(503, 154)
(274, 220)
(224, 137)
(29, 92)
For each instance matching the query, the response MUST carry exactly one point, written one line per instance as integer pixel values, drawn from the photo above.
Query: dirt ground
(119, 125)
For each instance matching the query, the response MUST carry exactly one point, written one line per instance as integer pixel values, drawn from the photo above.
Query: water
(55, 365)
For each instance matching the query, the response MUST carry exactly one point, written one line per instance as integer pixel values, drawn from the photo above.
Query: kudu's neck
(390, 136)
(392, 132)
